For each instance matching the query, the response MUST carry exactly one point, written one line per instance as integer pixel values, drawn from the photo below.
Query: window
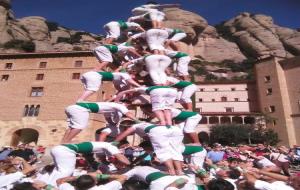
(299, 105)
(269, 91)
(213, 100)
(43, 64)
(236, 99)
(76, 76)
(229, 109)
(78, 63)
(216, 89)
(267, 79)
(274, 122)
(8, 65)
(199, 110)
(232, 89)
(37, 91)
(4, 77)
(201, 89)
(31, 111)
(200, 100)
(271, 109)
(39, 77)
(224, 99)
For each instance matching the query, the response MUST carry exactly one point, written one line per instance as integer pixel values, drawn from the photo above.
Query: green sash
(107, 76)
(93, 107)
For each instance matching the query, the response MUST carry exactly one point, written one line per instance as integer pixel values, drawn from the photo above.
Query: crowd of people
(141, 58)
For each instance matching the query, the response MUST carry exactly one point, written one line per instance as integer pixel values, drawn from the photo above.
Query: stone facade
(226, 102)
(61, 87)
(278, 92)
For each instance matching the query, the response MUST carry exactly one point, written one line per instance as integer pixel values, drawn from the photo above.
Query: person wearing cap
(114, 29)
(216, 154)
(78, 115)
(64, 157)
(92, 81)
(182, 63)
(162, 100)
(166, 142)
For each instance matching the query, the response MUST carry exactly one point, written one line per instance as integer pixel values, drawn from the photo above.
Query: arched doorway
(26, 135)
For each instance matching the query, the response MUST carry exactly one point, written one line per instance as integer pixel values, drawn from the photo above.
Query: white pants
(112, 30)
(65, 161)
(156, 15)
(91, 81)
(190, 124)
(176, 141)
(103, 54)
(156, 38)
(179, 36)
(159, 137)
(187, 93)
(77, 117)
(183, 66)
(156, 66)
(163, 98)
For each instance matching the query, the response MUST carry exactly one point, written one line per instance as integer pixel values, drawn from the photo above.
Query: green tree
(229, 134)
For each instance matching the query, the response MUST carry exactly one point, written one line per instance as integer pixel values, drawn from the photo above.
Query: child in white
(188, 121)
(114, 29)
(64, 157)
(182, 63)
(175, 35)
(166, 142)
(162, 99)
(186, 91)
(78, 115)
(92, 81)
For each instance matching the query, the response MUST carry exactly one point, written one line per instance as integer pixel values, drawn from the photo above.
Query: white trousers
(156, 66)
(167, 143)
(163, 98)
(112, 30)
(187, 93)
(103, 54)
(183, 66)
(156, 38)
(190, 125)
(65, 161)
(77, 117)
(91, 81)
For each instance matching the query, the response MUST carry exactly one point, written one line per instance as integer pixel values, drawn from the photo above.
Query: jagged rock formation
(241, 38)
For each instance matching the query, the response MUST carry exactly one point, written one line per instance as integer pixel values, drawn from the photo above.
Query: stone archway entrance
(26, 135)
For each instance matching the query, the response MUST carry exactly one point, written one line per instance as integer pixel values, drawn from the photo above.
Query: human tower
(133, 52)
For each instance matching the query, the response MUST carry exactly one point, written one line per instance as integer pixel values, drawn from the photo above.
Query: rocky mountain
(238, 40)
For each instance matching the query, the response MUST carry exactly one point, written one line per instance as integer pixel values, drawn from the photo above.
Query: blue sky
(91, 15)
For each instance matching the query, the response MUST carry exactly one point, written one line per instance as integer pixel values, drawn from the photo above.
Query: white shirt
(279, 157)
(140, 128)
(277, 185)
(140, 172)
(8, 179)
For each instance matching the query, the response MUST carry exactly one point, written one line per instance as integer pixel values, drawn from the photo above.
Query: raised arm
(124, 134)
(119, 96)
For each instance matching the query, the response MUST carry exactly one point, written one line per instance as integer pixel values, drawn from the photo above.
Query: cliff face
(241, 38)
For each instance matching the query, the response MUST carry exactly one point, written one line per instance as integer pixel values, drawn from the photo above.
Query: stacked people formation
(142, 62)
